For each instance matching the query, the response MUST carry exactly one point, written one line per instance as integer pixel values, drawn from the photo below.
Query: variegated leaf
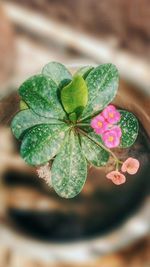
(95, 154)
(26, 119)
(69, 169)
(58, 73)
(42, 143)
(84, 71)
(130, 127)
(40, 94)
(102, 83)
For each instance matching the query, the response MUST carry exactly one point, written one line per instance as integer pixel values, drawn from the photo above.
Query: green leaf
(95, 154)
(74, 96)
(23, 105)
(40, 94)
(69, 169)
(58, 73)
(130, 127)
(95, 137)
(73, 117)
(102, 84)
(42, 143)
(85, 125)
(26, 119)
(84, 71)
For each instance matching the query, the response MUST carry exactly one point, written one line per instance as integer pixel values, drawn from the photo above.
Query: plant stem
(101, 145)
(83, 124)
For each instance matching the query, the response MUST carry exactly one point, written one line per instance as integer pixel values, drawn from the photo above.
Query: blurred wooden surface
(100, 50)
(7, 49)
(137, 255)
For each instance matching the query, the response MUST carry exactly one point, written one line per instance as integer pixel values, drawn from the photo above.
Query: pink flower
(111, 114)
(99, 124)
(131, 166)
(116, 177)
(111, 138)
(118, 130)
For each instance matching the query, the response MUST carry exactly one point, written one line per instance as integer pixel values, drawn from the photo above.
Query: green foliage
(84, 71)
(69, 170)
(73, 117)
(54, 122)
(58, 73)
(130, 127)
(23, 105)
(95, 154)
(102, 83)
(40, 94)
(26, 119)
(41, 143)
(74, 96)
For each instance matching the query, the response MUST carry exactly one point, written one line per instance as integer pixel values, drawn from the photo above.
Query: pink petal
(110, 175)
(94, 122)
(117, 116)
(109, 108)
(120, 180)
(116, 177)
(131, 166)
(111, 139)
(118, 131)
(111, 114)
(99, 124)
(116, 142)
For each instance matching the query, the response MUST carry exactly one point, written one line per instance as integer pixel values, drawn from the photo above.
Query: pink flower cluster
(130, 166)
(104, 125)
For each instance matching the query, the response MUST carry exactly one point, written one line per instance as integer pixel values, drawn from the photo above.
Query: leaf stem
(83, 124)
(101, 145)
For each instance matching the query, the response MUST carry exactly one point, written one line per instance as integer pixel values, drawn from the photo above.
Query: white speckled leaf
(130, 127)
(26, 119)
(102, 83)
(93, 153)
(58, 73)
(95, 137)
(84, 71)
(69, 169)
(42, 143)
(40, 94)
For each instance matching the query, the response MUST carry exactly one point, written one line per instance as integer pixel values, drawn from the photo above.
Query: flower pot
(78, 229)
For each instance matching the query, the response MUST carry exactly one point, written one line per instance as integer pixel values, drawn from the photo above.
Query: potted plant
(112, 200)
(68, 120)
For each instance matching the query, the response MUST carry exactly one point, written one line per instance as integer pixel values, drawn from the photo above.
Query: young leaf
(84, 71)
(69, 169)
(74, 96)
(42, 143)
(23, 105)
(102, 84)
(40, 94)
(26, 119)
(129, 126)
(73, 117)
(94, 153)
(58, 73)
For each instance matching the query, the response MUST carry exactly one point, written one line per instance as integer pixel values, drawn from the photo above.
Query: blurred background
(104, 225)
